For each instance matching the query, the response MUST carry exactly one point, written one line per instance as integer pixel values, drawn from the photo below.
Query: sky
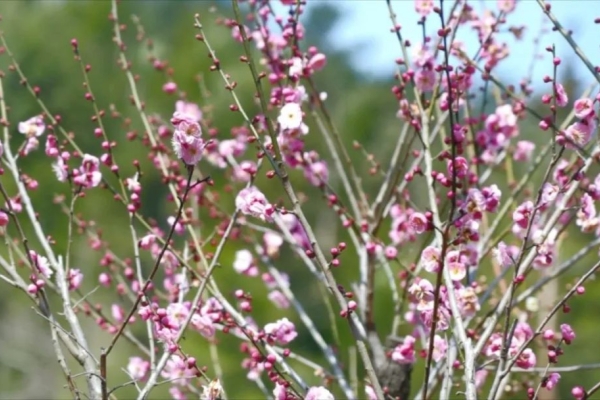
(365, 29)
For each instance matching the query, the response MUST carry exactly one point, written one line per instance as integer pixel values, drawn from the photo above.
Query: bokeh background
(358, 78)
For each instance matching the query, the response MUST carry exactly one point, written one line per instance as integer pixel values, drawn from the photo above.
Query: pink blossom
(552, 380)
(317, 62)
(440, 347)
(418, 222)
(424, 7)
(280, 392)
(190, 109)
(60, 169)
(169, 87)
(137, 368)
(74, 278)
(318, 393)
(33, 127)
(405, 353)
(579, 393)
(244, 263)
(523, 150)
(457, 270)
(567, 333)
(425, 80)
(88, 175)
(272, 242)
(41, 264)
(212, 391)
(282, 331)
(561, 96)
(203, 324)
(251, 201)
(279, 299)
(522, 214)
(507, 6)
(4, 219)
(584, 108)
(505, 255)
(177, 370)
(317, 173)
(580, 133)
(526, 359)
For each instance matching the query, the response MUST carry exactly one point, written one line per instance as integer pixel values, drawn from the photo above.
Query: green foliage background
(39, 34)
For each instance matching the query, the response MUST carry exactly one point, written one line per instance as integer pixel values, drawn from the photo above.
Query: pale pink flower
(317, 173)
(370, 392)
(440, 347)
(251, 201)
(272, 242)
(88, 175)
(188, 147)
(212, 391)
(425, 80)
(507, 6)
(523, 150)
(203, 324)
(282, 331)
(418, 222)
(405, 353)
(60, 169)
(318, 393)
(424, 7)
(431, 259)
(457, 270)
(580, 133)
(280, 392)
(290, 117)
(279, 299)
(244, 263)
(177, 370)
(317, 62)
(41, 263)
(74, 278)
(584, 108)
(137, 368)
(33, 127)
(561, 96)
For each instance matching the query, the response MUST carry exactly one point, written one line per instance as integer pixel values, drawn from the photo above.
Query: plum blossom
(187, 142)
(579, 133)
(291, 119)
(551, 381)
(251, 201)
(244, 263)
(440, 347)
(190, 109)
(137, 368)
(33, 127)
(212, 391)
(74, 278)
(584, 108)
(177, 370)
(567, 333)
(318, 393)
(88, 175)
(424, 7)
(404, 353)
(418, 222)
(282, 331)
(4, 219)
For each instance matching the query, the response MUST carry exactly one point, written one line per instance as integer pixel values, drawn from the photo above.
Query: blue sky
(365, 30)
